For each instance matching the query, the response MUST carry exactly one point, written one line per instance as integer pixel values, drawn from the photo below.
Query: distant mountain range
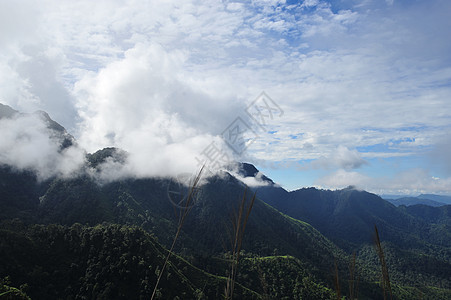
(75, 237)
(425, 199)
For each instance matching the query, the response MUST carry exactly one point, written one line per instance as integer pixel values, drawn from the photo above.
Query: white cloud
(143, 105)
(251, 181)
(342, 158)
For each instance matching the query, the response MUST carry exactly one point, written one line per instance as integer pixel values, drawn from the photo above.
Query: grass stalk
(182, 214)
(386, 287)
(239, 223)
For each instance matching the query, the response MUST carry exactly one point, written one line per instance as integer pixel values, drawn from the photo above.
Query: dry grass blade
(239, 226)
(182, 214)
(386, 287)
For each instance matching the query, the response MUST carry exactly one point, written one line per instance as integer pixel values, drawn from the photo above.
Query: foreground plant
(386, 287)
(182, 212)
(239, 222)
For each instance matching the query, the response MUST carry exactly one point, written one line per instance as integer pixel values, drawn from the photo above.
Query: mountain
(434, 215)
(56, 131)
(291, 243)
(248, 170)
(6, 111)
(407, 201)
(348, 216)
(145, 203)
(438, 198)
(425, 199)
(415, 235)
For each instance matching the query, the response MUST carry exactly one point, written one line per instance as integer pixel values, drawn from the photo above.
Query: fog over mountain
(34, 142)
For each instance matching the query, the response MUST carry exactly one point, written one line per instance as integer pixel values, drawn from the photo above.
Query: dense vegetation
(122, 262)
(101, 262)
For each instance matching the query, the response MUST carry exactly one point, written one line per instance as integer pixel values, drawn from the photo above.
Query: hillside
(417, 235)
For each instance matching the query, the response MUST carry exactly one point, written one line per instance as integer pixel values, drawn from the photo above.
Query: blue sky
(364, 86)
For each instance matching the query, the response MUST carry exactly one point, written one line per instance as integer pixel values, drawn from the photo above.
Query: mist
(27, 143)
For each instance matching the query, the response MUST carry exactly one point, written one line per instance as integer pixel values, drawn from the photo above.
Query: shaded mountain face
(436, 215)
(208, 228)
(348, 216)
(19, 193)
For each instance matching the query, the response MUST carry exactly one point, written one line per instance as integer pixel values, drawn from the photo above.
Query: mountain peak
(6, 111)
(249, 170)
(100, 156)
(51, 124)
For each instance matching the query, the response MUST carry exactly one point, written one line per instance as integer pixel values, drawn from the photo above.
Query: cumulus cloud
(143, 105)
(27, 143)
